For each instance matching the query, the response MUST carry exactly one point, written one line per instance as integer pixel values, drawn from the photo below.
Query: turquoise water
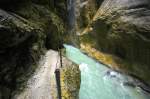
(100, 82)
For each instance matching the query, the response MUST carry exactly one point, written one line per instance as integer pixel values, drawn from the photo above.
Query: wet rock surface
(121, 28)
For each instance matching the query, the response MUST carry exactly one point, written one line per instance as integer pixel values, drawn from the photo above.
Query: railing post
(57, 75)
(60, 54)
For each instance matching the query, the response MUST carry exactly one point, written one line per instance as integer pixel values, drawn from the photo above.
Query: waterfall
(71, 14)
(72, 21)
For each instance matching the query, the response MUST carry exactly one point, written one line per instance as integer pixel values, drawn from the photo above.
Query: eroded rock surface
(19, 49)
(122, 28)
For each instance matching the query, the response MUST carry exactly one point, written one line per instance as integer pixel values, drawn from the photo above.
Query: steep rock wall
(122, 28)
(27, 27)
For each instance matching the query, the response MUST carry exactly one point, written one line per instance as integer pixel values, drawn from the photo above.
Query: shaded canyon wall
(122, 28)
(27, 28)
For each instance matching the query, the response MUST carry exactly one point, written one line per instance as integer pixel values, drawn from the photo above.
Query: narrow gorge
(75, 49)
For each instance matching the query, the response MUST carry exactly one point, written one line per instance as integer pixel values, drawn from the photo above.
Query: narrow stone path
(39, 86)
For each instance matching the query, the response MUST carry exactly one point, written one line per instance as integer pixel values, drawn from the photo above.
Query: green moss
(87, 38)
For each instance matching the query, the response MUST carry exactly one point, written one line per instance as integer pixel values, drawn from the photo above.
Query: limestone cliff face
(27, 27)
(122, 28)
(86, 11)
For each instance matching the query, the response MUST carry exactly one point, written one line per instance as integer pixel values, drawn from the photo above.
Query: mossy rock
(70, 80)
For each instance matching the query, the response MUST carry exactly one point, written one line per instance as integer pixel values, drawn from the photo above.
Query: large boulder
(122, 28)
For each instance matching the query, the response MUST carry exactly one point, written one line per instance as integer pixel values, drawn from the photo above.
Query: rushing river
(100, 82)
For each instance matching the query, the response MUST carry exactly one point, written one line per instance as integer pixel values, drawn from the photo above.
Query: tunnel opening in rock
(112, 32)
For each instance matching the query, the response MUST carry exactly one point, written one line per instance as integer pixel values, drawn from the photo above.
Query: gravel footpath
(38, 86)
